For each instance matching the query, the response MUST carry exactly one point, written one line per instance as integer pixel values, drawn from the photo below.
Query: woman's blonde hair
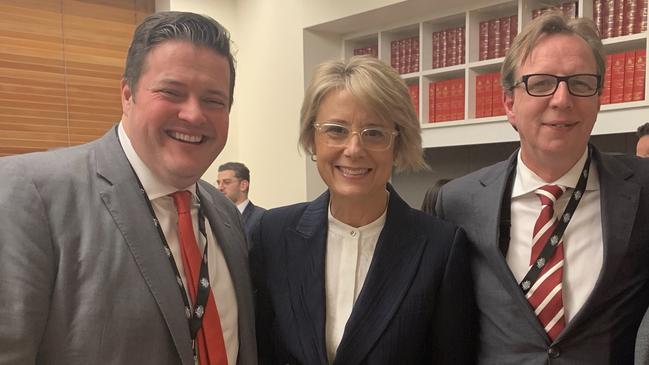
(380, 89)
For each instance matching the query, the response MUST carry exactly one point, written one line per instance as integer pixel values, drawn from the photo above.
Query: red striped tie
(545, 294)
(209, 340)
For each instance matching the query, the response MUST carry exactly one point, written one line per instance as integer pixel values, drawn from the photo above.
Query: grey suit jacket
(603, 331)
(83, 275)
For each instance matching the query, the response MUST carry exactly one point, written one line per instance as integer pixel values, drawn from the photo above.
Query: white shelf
(419, 18)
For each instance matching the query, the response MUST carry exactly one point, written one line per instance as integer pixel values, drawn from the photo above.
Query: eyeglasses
(372, 138)
(545, 84)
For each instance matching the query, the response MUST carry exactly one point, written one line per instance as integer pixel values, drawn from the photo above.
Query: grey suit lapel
(395, 263)
(491, 198)
(305, 259)
(127, 205)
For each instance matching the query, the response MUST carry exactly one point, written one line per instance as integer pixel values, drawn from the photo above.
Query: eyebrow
(174, 82)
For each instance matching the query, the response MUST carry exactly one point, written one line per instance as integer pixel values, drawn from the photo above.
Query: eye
(170, 92)
(335, 130)
(215, 102)
(541, 83)
(375, 134)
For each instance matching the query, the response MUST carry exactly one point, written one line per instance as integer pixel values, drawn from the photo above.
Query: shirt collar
(242, 206)
(152, 185)
(338, 227)
(527, 181)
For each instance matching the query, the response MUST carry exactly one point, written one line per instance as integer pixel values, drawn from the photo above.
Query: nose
(561, 97)
(354, 146)
(191, 111)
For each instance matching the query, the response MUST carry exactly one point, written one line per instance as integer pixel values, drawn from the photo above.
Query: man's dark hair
(241, 172)
(643, 130)
(199, 30)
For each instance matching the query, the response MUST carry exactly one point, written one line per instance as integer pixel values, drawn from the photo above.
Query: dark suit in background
(251, 216)
(415, 307)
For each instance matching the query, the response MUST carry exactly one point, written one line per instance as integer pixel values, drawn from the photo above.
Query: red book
(446, 100)
(414, 57)
(394, 55)
(608, 18)
(618, 17)
(443, 45)
(494, 39)
(431, 102)
(629, 70)
(436, 50)
(628, 16)
(641, 18)
(598, 16)
(453, 99)
(617, 78)
(438, 101)
(451, 47)
(461, 95)
(461, 45)
(488, 95)
(479, 96)
(505, 35)
(483, 47)
(514, 27)
(605, 97)
(497, 106)
(639, 74)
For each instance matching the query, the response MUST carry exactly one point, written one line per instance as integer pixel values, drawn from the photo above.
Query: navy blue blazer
(416, 305)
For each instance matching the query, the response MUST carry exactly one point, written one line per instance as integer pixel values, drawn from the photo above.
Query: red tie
(209, 340)
(545, 294)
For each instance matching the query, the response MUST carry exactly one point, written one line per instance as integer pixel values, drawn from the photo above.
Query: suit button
(554, 352)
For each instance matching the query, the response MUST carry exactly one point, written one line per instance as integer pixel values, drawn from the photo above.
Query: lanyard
(553, 241)
(194, 315)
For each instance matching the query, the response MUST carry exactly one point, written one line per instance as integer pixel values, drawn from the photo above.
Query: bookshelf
(421, 20)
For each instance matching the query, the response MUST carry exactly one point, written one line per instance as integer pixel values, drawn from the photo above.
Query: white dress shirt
(165, 210)
(582, 241)
(349, 255)
(243, 205)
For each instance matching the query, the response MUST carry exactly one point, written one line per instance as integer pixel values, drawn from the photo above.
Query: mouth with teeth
(186, 138)
(353, 172)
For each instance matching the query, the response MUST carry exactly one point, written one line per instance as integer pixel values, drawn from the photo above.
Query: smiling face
(351, 171)
(177, 119)
(557, 127)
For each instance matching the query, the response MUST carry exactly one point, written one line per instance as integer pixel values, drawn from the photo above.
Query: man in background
(642, 147)
(560, 245)
(234, 181)
(115, 252)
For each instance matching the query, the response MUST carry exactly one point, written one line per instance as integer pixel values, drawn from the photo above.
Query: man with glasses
(560, 244)
(234, 182)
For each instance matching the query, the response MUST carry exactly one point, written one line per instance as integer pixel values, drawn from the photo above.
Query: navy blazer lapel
(126, 204)
(617, 193)
(396, 260)
(490, 199)
(305, 262)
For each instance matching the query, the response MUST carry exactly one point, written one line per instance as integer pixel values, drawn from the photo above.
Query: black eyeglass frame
(524, 79)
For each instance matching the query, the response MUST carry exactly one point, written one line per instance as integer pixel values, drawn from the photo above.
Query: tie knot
(181, 200)
(549, 194)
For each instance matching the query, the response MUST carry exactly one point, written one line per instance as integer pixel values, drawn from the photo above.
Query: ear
(508, 102)
(243, 186)
(127, 97)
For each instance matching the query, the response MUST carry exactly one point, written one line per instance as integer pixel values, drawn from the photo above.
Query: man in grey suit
(234, 181)
(91, 269)
(560, 240)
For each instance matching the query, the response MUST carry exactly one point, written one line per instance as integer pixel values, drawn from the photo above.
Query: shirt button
(352, 233)
(554, 352)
